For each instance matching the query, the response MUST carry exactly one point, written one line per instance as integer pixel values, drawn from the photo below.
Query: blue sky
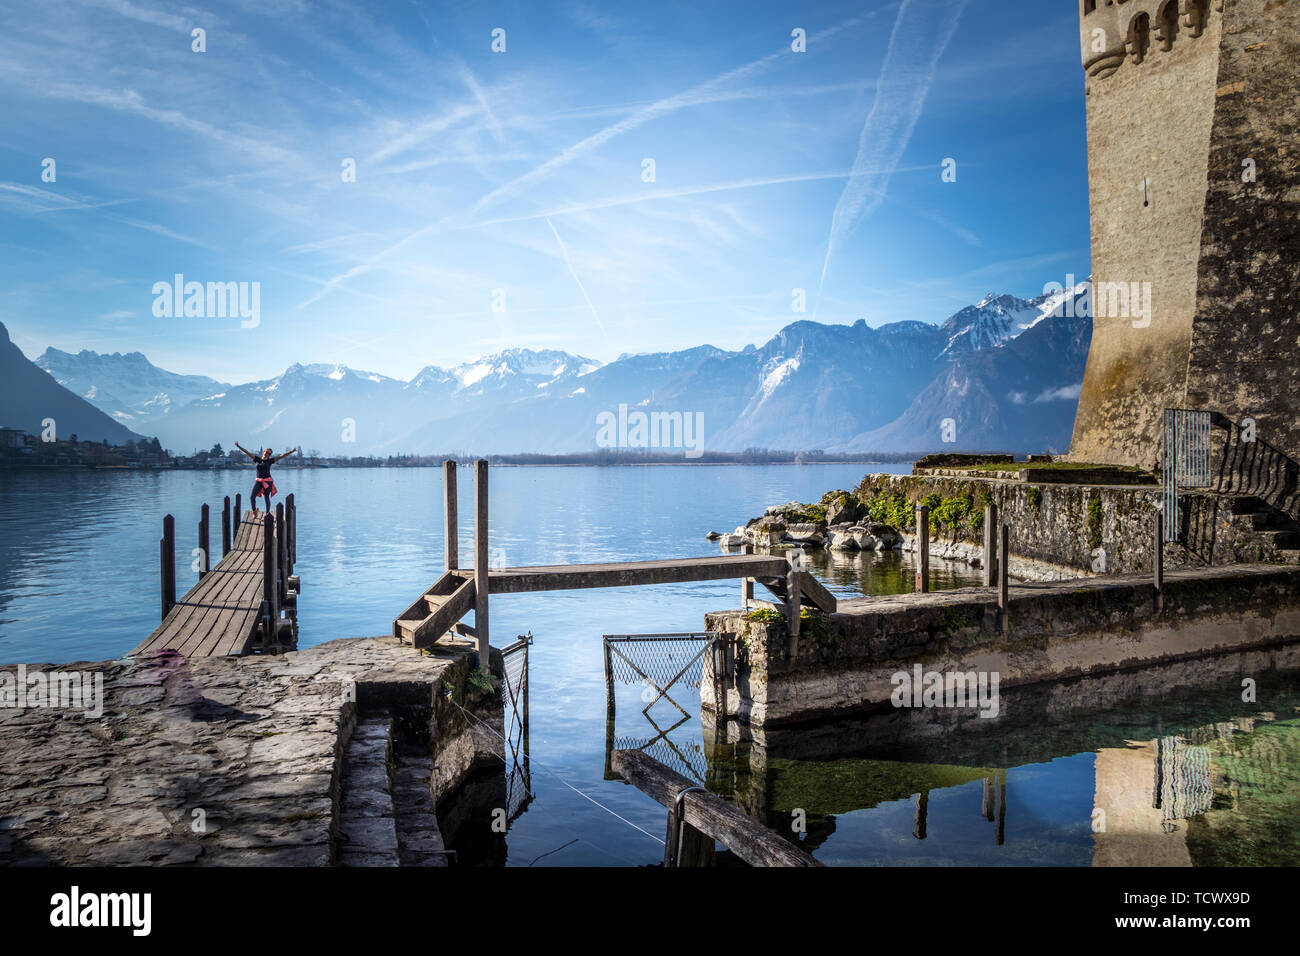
(523, 171)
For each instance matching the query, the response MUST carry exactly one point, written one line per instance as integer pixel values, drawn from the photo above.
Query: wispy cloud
(710, 91)
(921, 33)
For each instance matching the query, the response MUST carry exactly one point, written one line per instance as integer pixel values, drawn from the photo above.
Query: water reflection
(1166, 766)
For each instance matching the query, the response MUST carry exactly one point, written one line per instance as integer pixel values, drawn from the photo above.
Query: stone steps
(419, 841)
(367, 825)
(387, 812)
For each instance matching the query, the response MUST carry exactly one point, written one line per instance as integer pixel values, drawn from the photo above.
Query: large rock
(843, 507)
(844, 541)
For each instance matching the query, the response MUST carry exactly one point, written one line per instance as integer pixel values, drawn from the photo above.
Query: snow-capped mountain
(127, 387)
(1005, 369)
(340, 410)
(1020, 396)
(997, 319)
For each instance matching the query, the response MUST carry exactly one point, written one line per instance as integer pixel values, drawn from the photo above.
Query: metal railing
(1184, 460)
(1243, 464)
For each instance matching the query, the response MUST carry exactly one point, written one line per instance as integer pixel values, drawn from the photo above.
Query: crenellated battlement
(1113, 31)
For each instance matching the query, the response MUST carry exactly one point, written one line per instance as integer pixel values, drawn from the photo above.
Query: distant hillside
(29, 395)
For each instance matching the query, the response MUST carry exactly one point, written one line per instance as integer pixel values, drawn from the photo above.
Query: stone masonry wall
(1149, 122)
(1246, 344)
(1065, 526)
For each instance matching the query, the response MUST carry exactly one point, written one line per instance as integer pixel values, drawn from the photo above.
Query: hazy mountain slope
(29, 395)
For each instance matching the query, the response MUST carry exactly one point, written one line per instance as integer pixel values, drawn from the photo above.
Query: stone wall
(1245, 348)
(1050, 632)
(1065, 530)
(216, 761)
(1149, 122)
(1210, 125)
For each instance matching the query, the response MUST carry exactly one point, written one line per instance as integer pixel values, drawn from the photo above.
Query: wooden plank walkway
(219, 615)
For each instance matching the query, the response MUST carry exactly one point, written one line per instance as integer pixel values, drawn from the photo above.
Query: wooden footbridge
(247, 602)
(457, 592)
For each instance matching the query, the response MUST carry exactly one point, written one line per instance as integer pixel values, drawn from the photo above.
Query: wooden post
(746, 584)
(794, 600)
(990, 544)
(167, 564)
(718, 820)
(270, 589)
(205, 562)
(986, 807)
(922, 548)
(225, 527)
(684, 845)
(1004, 562)
(1160, 560)
(1001, 834)
(239, 513)
(481, 561)
(920, 813)
(290, 533)
(281, 553)
(450, 516)
(609, 681)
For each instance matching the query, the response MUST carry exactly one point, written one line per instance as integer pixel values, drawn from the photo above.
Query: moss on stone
(1094, 521)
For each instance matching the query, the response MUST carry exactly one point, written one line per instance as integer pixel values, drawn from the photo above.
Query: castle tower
(1193, 115)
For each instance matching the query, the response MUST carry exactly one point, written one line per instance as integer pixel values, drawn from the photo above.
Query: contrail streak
(921, 33)
(565, 252)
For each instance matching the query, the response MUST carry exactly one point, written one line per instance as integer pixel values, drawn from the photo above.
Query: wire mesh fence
(669, 668)
(514, 704)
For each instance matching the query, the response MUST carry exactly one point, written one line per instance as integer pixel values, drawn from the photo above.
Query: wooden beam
(922, 548)
(793, 602)
(167, 564)
(450, 517)
(990, 544)
(746, 584)
(813, 589)
(281, 552)
(1004, 563)
(628, 573)
(226, 527)
(482, 583)
(685, 846)
(708, 813)
(1160, 560)
(270, 588)
(205, 557)
(427, 632)
(291, 532)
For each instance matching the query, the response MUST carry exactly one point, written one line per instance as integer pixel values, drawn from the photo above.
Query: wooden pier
(247, 603)
(458, 591)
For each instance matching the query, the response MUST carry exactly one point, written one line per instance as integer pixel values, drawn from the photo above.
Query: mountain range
(1005, 371)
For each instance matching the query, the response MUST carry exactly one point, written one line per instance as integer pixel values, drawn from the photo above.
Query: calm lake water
(1181, 769)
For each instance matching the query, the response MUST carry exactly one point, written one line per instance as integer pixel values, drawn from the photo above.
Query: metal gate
(1184, 460)
(660, 663)
(514, 705)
